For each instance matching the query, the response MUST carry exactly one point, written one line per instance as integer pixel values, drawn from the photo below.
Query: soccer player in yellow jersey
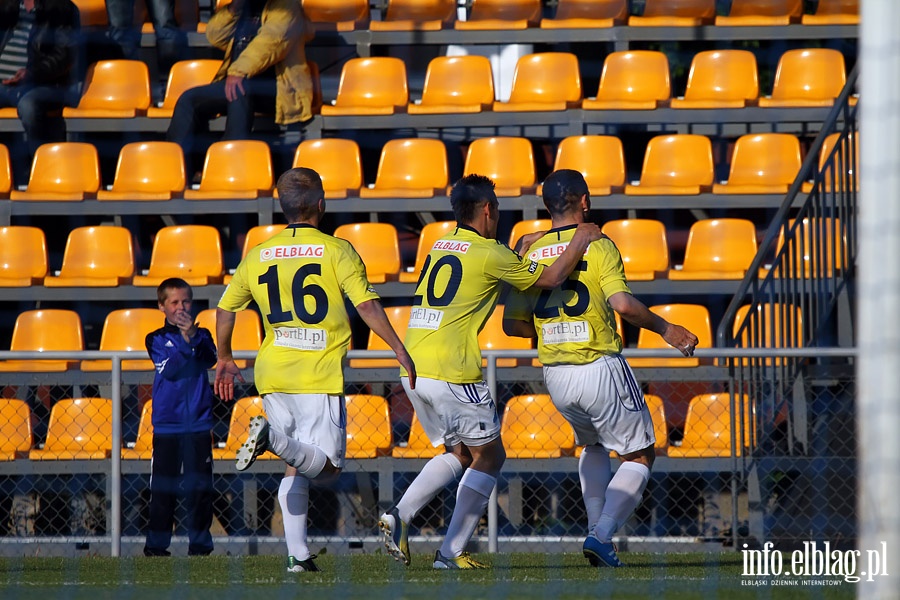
(298, 279)
(455, 295)
(588, 380)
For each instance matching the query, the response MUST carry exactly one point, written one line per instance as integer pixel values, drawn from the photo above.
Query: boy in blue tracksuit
(182, 422)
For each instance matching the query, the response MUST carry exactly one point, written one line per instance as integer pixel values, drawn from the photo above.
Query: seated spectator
(171, 41)
(264, 70)
(37, 65)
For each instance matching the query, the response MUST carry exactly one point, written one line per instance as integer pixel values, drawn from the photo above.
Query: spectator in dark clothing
(39, 51)
(182, 423)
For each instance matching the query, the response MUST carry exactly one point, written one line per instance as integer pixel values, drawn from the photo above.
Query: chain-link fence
(743, 456)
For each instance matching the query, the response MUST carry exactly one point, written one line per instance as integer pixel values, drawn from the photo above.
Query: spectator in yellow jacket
(264, 70)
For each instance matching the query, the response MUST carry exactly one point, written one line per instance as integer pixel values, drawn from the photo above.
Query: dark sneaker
(463, 561)
(302, 566)
(396, 535)
(156, 552)
(600, 554)
(257, 443)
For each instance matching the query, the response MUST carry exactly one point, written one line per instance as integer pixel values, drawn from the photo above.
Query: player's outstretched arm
(226, 370)
(554, 275)
(372, 313)
(636, 312)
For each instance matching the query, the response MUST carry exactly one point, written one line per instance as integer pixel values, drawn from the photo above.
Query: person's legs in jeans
(171, 41)
(259, 96)
(40, 110)
(190, 120)
(198, 483)
(122, 30)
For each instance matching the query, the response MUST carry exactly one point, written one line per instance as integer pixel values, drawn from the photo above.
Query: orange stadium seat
(587, 14)
(678, 164)
(643, 246)
(418, 445)
(368, 426)
(542, 82)
(718, 249)
(23, 256)
(6, 177)
(773, 326)
(599, 158)
(762, 13)
(762, 163)
(247, 334)
(720, 79)
(79, 429)
(410, 168)
(834, 12)
(456, 84)
(147, 171)
(336, 160)
(92, 13)
(126, 329)
(192, 252)
(15, 429)
(814, 251)
(64, 171)
(399, 319)
(143, 444)
(707, 428)
(44, 330)
(807, 77)
(837, 172)
(533, 428)
(238, 425)
(370, 86)
(633, 80)
(431, 233)
(508, 161)
(377, 245)
(337, 15)
(184, 75)
(95, 257)
(501, 14)
(529, 226)
(492, 337)
(675, 13)
(694, 317)
(113, 89)
(235, 169)
(416, 15)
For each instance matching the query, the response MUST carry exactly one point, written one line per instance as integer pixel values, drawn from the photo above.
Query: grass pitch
(372, 577)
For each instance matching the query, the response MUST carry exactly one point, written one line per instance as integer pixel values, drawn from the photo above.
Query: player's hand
(407, 362)
(226, 372)
(234, 87)
(680, 338)
(527, 240)
(16, 78)
(587, 233)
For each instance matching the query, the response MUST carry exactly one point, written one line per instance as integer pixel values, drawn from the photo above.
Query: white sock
(471, 499)
(622, 497)
(594, 472)
(438, 473)
(308, 459)
(293, 496)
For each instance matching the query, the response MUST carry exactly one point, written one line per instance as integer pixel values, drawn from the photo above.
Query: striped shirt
(14, 55)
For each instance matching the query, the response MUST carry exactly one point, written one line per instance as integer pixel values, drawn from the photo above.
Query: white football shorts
(453, 413)
(318, 419)
(603, 402)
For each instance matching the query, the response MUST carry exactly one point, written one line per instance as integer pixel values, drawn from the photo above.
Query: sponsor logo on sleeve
(532, 267)
(296, 251)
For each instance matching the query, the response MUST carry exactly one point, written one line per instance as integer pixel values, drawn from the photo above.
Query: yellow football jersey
(574, 323)
(455, 295)
(298, 279)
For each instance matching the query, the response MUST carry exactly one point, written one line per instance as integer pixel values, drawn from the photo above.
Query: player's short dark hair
(172, 283)
(299, 192)
(562, 190)
(468, 194)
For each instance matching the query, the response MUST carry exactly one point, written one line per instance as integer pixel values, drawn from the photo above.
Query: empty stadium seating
(192, 252)
(531, 427)
(44, 330)
(23, 256)
(456, 84)
(377, 245)
(95, 257)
